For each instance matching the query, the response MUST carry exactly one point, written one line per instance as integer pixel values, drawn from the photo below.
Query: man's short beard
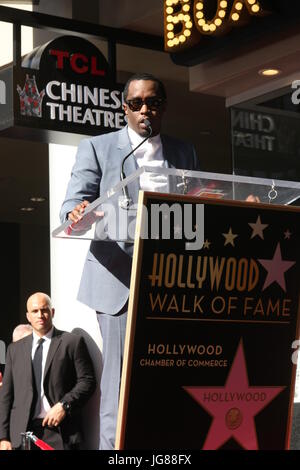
(143, 132)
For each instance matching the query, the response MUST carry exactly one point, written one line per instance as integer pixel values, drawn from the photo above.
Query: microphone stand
(126, 201)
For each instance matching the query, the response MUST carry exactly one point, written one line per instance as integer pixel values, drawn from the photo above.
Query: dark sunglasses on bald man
(153, 103)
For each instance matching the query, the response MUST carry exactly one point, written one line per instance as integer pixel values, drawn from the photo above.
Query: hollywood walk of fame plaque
(209, 359)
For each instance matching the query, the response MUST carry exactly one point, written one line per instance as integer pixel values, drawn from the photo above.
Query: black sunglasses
(153, 103)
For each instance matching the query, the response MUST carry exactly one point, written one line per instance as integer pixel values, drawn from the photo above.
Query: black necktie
(37, 371)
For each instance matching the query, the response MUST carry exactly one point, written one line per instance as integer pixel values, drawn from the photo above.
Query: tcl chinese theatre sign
(62, 89)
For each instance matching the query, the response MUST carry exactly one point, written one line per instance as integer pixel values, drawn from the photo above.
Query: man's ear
(125, 108)
(27, 316)
(53, 312)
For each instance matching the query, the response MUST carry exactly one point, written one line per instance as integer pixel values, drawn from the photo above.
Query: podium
(213, 318)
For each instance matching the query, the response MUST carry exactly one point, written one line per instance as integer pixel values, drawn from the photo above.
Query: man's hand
(54, 416)
(5, 445)
(78, 211)
(252, 198)
(81, 225)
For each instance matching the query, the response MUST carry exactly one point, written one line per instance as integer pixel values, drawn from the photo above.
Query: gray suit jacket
(106, 274)
(68, 375)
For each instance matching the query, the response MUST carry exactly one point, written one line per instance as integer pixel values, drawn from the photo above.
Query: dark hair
(146, 76)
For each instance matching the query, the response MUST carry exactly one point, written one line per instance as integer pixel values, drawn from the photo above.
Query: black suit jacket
(68, 375)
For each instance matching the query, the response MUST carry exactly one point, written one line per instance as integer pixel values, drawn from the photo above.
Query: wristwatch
(66, 406)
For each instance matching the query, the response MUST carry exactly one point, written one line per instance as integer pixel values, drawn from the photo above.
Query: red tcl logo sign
(79, 62)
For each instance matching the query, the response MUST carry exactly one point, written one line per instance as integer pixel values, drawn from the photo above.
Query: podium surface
(110, 205)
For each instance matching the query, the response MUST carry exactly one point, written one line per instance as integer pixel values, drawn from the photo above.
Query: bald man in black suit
(51, 406)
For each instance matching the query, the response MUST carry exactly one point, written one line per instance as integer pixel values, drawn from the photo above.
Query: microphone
(125, 201)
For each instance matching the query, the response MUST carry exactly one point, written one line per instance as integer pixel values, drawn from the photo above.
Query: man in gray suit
(106, 273)
(48, 377)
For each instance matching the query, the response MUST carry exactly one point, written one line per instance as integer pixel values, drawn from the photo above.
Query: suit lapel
(169, 153)
(171, 159)
(27, 348)
(55, 342)
(130, 165)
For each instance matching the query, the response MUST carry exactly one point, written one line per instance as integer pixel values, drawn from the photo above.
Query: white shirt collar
(136, 139)
(46, 337)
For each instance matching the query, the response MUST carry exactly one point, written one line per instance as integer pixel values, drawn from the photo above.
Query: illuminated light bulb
(199, 6)
(181, 16)
(269, 72)
(176, 41)
(169, 3)
(235, 17)
(187, 18)
(222, 13)
(38, 199)
(218, 22)
(182, 38)
(170, 27)
(170, 35)
(205, 27)
(169, 10)
(223, 4)
(175, 20)
(251, 2)
(187, 32)
(186, 7)
(255, 8)
(27, 209)
(169, 19)
(170, 44)
(212, 27)
(201, 22)
(189, 25)
(238, 6)
(199, 14)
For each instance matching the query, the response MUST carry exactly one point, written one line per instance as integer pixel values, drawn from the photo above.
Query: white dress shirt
(149, 154)
(45, 406)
